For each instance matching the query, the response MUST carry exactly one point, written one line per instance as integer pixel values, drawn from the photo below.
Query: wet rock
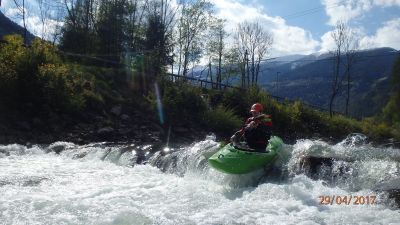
(124, 131)
(316, 167)
(24, 125)
(79, 155)
(105, 131)
(57, 149)
(181, 129)
(3, 151)
(99, 118)
(395, 195)
(116, 110)
(37, 122)
(125, 117)
(392, 188)
(2, 128)
(158, 128)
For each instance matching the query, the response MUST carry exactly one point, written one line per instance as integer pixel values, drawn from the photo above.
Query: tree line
(152, 35)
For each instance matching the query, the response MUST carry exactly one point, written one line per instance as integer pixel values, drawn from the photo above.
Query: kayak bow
(234, 160)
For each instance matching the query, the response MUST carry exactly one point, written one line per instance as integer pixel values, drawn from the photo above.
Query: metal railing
(203, 84)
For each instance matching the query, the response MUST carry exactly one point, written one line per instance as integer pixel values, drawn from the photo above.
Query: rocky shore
(118, 124)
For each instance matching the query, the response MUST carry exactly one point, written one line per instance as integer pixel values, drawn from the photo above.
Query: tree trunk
(210, 72)
(257, 70)
(219, 70)
(331, 105)
(248, 70)
(23, 19)
(348, 89)
(252, 69)
(335, 81)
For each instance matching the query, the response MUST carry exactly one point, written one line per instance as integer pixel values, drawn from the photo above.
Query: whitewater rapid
(103, 184)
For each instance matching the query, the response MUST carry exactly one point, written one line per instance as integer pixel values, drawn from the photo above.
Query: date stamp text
(347, 200)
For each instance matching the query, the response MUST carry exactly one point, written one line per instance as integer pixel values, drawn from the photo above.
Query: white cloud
(13, 13)
(347, 10)
(386, 36)
(32, 20)
(327, 42)
(287, 39)
(387, 2)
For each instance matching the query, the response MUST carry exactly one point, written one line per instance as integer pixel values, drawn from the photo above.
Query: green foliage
(298, 120)
(10, 53)
(183, 102)
(37, 77)
(222, 120)
(58, 88)
(391, 112)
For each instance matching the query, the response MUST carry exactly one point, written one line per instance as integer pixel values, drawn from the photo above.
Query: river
(103, 183)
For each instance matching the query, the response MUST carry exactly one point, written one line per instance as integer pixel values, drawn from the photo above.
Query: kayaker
(256, 130)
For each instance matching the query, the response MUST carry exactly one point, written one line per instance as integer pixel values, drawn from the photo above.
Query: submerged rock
(105, 130)
(125, 117)
(116, 110)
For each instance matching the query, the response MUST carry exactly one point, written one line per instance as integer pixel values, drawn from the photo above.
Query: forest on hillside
(137, 42)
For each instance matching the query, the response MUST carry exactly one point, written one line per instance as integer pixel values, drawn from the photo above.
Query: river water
(102, 183)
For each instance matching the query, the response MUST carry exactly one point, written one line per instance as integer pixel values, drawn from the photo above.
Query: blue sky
(298, 26)
(309, 14)
(305, 26)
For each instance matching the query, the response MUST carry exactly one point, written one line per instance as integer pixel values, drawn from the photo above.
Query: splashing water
(101, 183)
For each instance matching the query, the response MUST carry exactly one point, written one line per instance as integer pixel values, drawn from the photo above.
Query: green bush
(223, 120)
(36, 76)
(10, 53)
(182, 102)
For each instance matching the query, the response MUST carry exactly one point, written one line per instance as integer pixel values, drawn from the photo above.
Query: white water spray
(103, 184)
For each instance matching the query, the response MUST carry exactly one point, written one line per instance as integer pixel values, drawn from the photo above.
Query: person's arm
(240, 132)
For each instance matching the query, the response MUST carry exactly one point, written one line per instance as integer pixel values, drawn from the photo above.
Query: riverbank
(45, 97)
(120, 123)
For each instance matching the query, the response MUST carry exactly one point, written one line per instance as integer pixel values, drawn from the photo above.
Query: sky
(297, 26)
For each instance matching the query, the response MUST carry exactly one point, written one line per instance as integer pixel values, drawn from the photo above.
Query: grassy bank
(224, 112)
(42, 93)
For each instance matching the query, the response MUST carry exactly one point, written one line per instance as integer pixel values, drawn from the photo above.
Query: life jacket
(259, 136)
(263, 118)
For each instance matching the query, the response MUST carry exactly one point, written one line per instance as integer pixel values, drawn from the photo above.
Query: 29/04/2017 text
(347, 200)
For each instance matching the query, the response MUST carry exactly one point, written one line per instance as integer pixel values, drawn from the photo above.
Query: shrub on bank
(298, 119)
(181, 103)
(222, 120)
(35, 76)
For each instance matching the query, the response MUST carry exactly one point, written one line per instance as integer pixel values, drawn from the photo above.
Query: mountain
(309, 79)
(9, 27)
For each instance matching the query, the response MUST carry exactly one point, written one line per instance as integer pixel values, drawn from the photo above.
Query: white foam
(53, 189)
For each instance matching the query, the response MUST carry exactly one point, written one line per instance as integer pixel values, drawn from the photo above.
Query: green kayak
(233, 160)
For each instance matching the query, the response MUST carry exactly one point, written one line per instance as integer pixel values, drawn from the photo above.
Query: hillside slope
(9, 27)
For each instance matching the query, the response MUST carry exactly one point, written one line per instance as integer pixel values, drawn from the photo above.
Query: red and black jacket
(257, 138)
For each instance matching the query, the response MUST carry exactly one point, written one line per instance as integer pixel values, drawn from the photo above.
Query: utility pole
(248, 69)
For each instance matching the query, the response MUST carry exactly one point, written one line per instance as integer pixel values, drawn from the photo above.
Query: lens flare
(159, 104)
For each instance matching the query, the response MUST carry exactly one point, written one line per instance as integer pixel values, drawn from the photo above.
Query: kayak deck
(233, 160)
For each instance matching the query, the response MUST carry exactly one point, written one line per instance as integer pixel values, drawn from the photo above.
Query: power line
(311, 11)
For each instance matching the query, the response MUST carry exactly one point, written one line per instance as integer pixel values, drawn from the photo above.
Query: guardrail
(201, 82)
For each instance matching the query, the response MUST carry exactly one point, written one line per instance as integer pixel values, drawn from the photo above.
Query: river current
(103, 183)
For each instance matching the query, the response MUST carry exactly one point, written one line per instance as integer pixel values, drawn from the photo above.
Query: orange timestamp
(347, 200)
